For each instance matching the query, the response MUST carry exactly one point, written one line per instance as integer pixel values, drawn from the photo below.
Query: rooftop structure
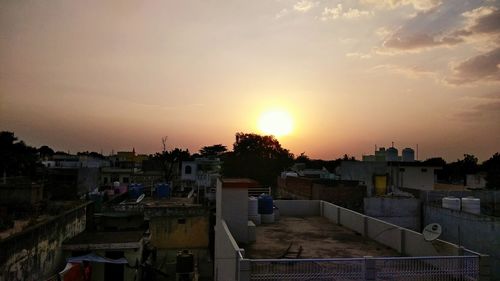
(329, 243)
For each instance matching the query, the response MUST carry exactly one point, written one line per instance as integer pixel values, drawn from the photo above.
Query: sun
(276, 122)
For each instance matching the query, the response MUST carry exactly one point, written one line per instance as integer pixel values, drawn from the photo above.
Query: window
(105, 180)
(125, 179)
(424, 170)
(401, 169)
(181, 221)
(187, 170)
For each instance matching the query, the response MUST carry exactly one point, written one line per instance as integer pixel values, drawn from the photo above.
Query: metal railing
(452, 268)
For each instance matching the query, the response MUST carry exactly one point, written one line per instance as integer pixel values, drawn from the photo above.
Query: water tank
(391, 154)
(257, 219)
(116, 184)
(268, 218)
(253, 208)
(163, 190)
(185, 262)
(135, 190)
(471, 205)
(451, 203)
(265, 204)
(408, 155)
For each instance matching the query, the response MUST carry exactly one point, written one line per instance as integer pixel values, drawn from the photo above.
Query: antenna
(417, 151)
(431, 232)
(392, 144)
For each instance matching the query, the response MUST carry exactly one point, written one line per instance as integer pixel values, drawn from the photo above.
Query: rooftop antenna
(375, 147)
(392, 144)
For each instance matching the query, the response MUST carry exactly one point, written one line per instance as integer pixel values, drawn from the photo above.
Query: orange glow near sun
(276, 122)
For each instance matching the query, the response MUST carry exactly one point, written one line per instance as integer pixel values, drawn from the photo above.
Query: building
(394, 175)
(359, 247)
(35, 252)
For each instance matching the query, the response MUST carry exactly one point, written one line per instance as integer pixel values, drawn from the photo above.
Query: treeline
(254, 156)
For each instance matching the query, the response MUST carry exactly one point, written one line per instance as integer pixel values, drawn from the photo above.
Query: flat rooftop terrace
(317, 236)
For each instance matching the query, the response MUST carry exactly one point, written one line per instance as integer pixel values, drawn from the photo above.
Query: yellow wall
(167, 233)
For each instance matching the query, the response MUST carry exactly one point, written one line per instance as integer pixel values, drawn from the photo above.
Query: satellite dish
(140, 198)
(432, 232)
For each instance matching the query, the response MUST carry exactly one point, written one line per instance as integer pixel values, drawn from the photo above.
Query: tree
(16, 158)
(45, 151)
(168, 160)
(492, 168)
(435, 161)
(215, 150)
(257, 157)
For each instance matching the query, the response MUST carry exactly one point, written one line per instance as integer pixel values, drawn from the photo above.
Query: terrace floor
(318, 238)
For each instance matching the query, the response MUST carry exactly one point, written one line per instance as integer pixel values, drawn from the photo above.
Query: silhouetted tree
(168, 160)
(257, 157)
(213, 150)
(435, 161)
(492, 168)
(16, 158)
(45, 151)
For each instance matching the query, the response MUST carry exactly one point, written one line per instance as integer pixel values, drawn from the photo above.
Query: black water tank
(185, 262)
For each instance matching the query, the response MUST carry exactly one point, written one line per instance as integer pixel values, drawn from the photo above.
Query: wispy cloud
(484, 67)
(304, 5)
(412, 72)
(358, 55)
(339, 12)
(422, 5)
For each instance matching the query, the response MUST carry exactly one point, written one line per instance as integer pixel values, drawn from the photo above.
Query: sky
(104, 75)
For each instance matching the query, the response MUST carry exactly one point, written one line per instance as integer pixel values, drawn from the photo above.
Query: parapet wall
(35, 253)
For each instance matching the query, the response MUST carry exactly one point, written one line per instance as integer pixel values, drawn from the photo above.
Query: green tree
(257, 157)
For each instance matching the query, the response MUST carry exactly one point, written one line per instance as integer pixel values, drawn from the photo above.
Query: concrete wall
(404, 212)
(179, 232)
(405, 241)
(417, 177)
(232, 206)
(226, 254)
(304, 208)
(477, 232)
(490, 199)
(36, 253)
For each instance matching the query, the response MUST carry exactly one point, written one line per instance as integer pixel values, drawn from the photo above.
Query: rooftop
(104, 240)
(316, 236)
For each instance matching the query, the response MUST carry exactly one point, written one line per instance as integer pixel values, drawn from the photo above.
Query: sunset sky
(111, 75)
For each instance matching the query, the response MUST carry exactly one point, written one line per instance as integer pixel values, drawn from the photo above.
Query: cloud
(484, 67)
(358, 55)
(421, 5)
(416, 35)
(339, 12)
(482, 112)
(412, 72)
(407, 41)
(304, 5)
(482, 21)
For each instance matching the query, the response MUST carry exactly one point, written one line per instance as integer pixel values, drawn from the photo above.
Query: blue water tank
(135, 190)
(265, 204)
(163, 190)
(132, 191)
